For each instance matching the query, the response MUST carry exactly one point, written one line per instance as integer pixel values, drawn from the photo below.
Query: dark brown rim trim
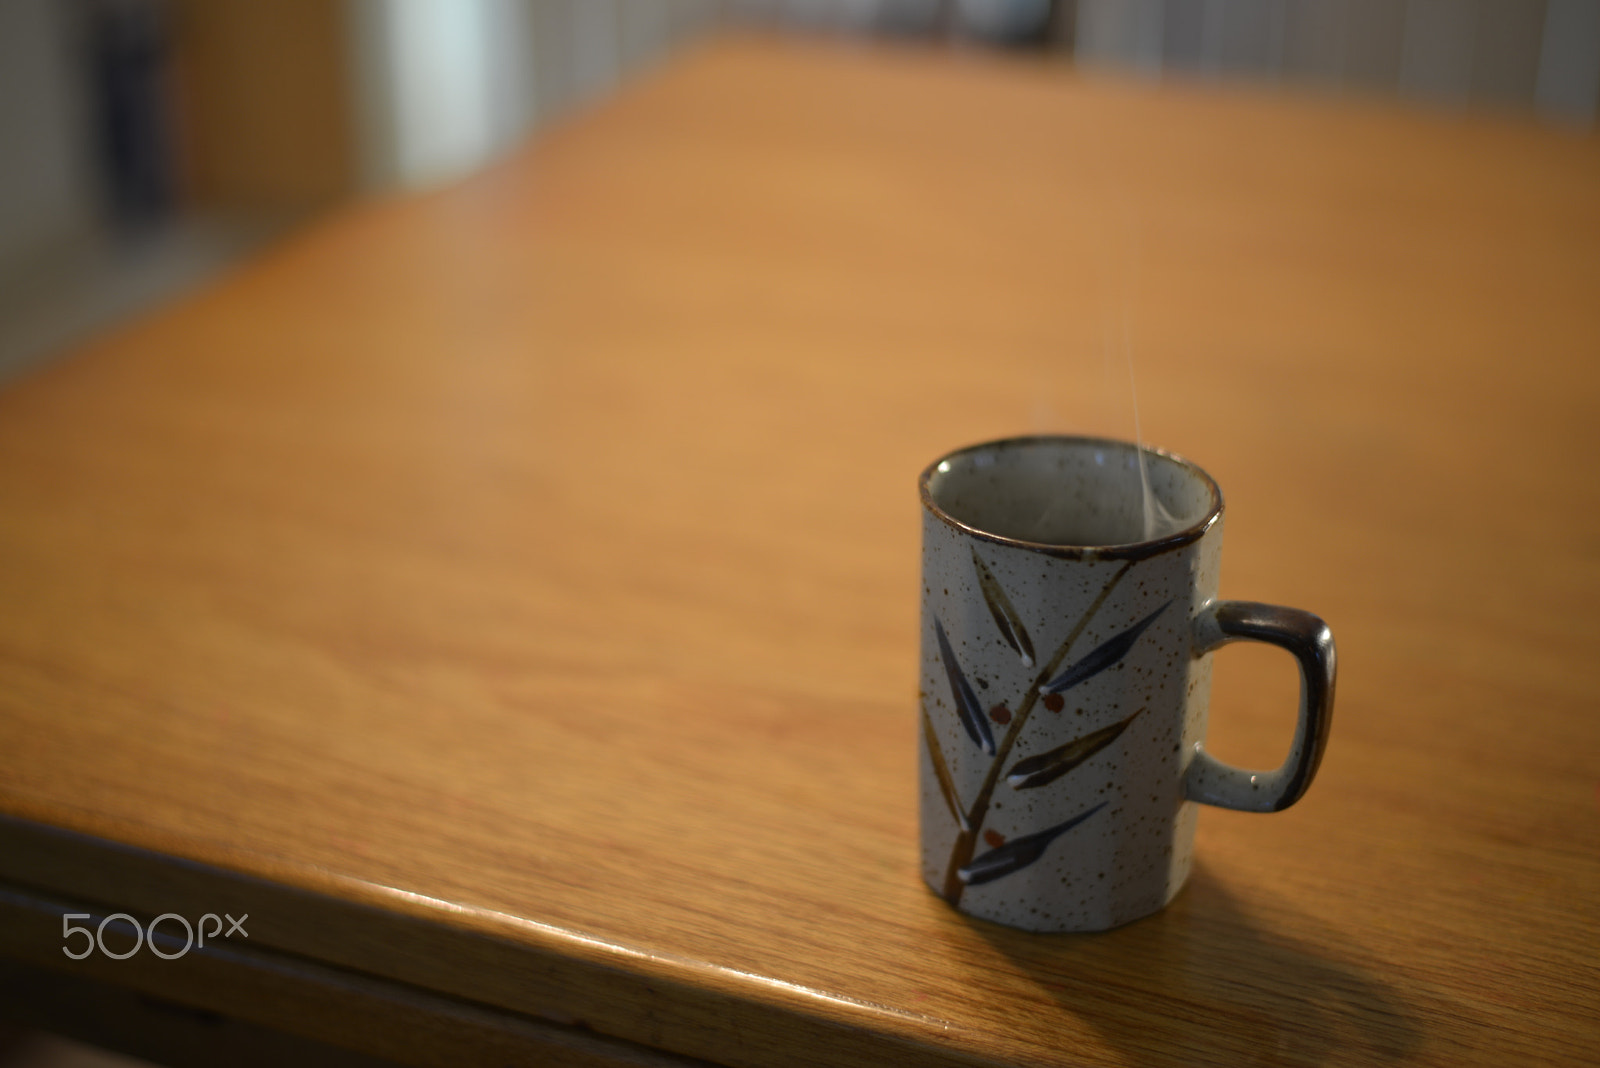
(1139, 550)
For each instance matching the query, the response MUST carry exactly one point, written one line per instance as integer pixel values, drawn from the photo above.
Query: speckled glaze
(1066, 677)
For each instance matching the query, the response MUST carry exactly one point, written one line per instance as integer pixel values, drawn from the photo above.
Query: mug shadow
(1211, 985)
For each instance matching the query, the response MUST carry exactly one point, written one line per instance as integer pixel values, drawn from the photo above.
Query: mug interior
(1071, 492)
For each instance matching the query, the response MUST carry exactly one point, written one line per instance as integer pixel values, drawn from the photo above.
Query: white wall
(1569, 77)
(445, 87)
(1529, 54)
(47, 199)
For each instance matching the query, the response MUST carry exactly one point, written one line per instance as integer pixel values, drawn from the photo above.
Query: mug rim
(1137, 550)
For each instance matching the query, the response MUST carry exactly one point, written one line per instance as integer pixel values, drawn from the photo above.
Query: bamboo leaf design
(1018, 853)
(967, 707)
(1104, 656)
(1007, 857)
(1046, 768)
(1005, 616)
(941, 771)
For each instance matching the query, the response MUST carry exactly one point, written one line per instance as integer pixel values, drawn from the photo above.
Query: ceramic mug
(1066, 672)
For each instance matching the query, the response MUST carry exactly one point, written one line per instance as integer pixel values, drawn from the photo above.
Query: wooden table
(508, 596)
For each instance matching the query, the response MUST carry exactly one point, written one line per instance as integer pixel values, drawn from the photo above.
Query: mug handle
(1212, 782)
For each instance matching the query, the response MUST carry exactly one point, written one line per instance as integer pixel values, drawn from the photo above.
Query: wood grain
(510, 593)
(233, 980)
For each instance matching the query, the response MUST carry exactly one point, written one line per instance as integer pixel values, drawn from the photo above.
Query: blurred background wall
(146, 143)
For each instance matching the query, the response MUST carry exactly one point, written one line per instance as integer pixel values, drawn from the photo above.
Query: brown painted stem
(967, 840)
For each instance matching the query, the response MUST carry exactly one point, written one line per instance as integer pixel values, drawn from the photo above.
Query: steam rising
(1158, 522)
